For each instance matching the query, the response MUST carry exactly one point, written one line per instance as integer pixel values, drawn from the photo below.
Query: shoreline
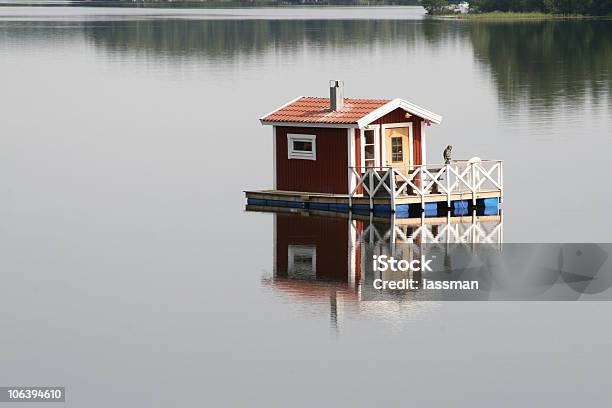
(514, 16)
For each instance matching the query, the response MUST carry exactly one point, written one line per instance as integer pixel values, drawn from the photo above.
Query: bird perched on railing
(447, 154)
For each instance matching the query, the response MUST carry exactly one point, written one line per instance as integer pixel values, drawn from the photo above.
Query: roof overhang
(311, 124)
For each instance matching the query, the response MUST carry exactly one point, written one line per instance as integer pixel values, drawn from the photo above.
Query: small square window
(302, 147)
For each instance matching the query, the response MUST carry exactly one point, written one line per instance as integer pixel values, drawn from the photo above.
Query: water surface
(129, 264)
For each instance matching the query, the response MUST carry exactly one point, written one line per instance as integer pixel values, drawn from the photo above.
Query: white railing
(458, 177)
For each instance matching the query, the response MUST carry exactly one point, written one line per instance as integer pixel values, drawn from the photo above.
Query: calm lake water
(132, 275)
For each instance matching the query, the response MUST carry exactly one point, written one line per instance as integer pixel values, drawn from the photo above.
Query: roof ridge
(354, 99)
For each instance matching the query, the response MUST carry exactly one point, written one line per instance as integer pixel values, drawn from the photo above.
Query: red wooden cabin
(316, 140)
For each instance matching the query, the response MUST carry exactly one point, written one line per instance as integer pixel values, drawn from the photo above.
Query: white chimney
(336, 95)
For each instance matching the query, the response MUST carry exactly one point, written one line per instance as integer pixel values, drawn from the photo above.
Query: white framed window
(301, 146)
(370, 142)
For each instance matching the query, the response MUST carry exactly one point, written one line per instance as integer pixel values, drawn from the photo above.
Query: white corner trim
(350, 134)
(274, 156)
(399, 103)
(423, 145)
(383, 141)
(297, 154)
(362, 148)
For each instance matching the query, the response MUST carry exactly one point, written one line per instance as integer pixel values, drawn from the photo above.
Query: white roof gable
(399, 103)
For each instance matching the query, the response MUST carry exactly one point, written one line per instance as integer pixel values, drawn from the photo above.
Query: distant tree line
(587, 7)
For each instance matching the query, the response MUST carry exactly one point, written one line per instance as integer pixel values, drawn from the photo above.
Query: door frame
(410, 141)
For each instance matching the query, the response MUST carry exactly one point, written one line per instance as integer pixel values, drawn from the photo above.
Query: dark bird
(447, 154)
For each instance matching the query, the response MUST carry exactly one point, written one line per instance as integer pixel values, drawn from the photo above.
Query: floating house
(344, 154)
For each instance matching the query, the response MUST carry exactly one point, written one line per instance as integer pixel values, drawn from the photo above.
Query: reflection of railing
(472, 229)
(458, 177)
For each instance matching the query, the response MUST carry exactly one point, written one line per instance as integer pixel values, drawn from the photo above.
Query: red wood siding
(396, 116)
(327, 174)
(328, 235)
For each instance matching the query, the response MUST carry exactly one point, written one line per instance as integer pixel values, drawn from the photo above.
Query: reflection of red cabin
(316, 140)
(314, 259)
(312, 248)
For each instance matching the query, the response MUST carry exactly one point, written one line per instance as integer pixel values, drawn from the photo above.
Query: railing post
(370, 187)
(448, 192)
(473, 183)
(422, 188)
(448, 227)
(473, 226)
(423, 228)
(392, 235)
(392, 185)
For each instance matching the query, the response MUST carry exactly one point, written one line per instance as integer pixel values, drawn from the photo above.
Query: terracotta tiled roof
(316, 110)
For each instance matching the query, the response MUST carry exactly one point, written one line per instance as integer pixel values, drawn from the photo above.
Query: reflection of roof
(356, 112)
